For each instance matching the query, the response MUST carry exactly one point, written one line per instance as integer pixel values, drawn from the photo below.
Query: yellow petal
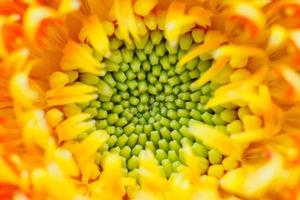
(126, 20)
(217, 139)
(89, 146)
(211, 41)
(35, 129)
(110, 185)
(58, 79)
(278, 36)
(85, 154)
(21, 90)
(93, 31)
(211, 72)
(73, 126)
(71, 94)
(175, 21)
(70, 90)
(65, 160)
(78, 57)
(252, 182)
(150, 174)
(144, 7)
(7, 175)
(238, 51)
(180, 188)
(67, 6)
(72, 99)
(54, 117)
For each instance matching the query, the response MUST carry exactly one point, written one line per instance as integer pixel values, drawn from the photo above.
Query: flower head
(149, 99)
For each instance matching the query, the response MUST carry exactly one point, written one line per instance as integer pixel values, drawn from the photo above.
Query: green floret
(146, 102)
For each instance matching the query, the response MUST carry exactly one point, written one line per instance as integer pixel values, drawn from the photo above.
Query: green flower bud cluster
(145, 102)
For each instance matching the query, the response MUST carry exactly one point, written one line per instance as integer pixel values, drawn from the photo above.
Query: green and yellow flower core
(146, 101)
(149, 99)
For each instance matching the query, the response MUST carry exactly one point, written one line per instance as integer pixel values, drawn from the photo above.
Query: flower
(149, 99)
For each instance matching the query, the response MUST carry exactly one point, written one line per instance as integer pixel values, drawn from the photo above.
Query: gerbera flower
(149, 99)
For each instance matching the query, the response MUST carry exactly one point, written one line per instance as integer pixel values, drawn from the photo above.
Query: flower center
(146, 102)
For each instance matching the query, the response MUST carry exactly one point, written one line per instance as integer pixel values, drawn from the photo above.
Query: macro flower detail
(145, 102)
(149, 99)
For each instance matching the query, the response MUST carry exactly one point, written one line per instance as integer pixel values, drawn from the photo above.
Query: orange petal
(39, 14)
(201, 16)
(292, 77)
(248, 16)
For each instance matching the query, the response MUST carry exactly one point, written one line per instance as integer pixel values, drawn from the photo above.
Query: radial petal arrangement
(149, 99)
